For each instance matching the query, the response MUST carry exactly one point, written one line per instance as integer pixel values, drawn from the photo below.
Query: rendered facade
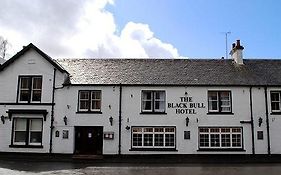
(140, 106)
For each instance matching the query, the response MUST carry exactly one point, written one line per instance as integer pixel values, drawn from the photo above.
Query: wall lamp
(128, 127)
(260, 121)
(3, 119)
(186, 121)
(111, 120)
(65, 120)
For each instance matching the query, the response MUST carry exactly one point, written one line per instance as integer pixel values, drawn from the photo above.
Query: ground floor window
(153, 137)
(220, 137)
(27, 131)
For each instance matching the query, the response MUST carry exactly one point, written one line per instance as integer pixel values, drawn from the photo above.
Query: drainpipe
(267, 121)
(52, 112)
(252, 122)
(120, 119)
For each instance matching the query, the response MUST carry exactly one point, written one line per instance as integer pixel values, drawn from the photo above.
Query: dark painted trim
(275, 113)
(221, 149)
(24, 50)
(27, 104)
(246, 122)
(27, 111)
(120, 120)
(252, 122)
(88, 112)
(26, 146)
(153, 149)
(267, 121)
(52, 111)
(153, 113)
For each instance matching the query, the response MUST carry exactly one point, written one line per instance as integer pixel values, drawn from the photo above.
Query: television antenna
(226, 37)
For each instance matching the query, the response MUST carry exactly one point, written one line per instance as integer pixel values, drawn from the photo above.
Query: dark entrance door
(88, 140)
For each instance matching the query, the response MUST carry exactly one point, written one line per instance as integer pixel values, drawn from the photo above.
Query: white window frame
(153, 101)
(231, 132)
(279, 95)
(32, 89)
(29, 89)
(219, 101)
(153, 132)
(89, 100)
(92, 100)
(30, 130)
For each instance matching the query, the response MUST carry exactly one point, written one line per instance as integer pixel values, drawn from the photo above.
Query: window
(90, 101)
(220, 137)
(30, 88)
(260, 135)
(27, 131)
(153, 101)
(275, 101)
(219, 101)
(153, 137)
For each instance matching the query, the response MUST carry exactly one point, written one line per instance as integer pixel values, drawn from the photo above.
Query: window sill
(275, 113)
(88, 112)
(26, 146)
(221, 149)
(153, 149)
(220, 113)
(153, 113)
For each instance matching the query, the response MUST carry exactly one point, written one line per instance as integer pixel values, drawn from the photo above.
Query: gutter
(120, 119)
(252, 122)
(52, 112)
(267, 121)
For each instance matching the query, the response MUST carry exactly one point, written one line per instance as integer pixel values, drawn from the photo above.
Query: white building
(140, 106)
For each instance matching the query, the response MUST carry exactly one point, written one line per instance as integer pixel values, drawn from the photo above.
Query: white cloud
(78, 29)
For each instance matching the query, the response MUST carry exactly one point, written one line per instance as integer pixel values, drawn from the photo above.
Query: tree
(3, 47)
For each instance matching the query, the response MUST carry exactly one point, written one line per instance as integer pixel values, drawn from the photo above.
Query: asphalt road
(84, 168)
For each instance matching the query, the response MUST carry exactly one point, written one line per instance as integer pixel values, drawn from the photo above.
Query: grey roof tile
(172, 71)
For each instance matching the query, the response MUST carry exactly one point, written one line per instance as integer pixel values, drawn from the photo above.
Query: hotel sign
(186, 105)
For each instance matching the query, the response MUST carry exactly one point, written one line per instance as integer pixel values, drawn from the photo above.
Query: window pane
(213, 96)
(84, 100)
(36, 124)
(84, 105)
(169, 140)
(20, 124)
(35, 137)
(147, 105)
(148, 140)
(25, 82)
(96, 95)
(215, 140)
(236, 140)
(225, 95)
(137, 139)
(225, 140)
(84, 95)
(36, 95)
(96, 105)
(137, 129)
(159, 140)
(147, 100)
(147, 95)
(204, 140)
(37, 83)
(274, 96)
(20, 136)
(213, 105)
(24, 95)
(275, 106)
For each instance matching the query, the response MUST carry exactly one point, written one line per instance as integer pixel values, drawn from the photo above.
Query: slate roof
(212, 72)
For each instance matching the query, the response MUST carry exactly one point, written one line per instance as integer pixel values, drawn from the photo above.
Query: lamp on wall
(127, 127)
(65, 120)
(3, 119)
(111, 120)
(260, 121)
(186, 121)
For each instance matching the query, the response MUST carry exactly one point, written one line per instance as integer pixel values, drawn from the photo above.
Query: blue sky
(195, 27)
(142, 28)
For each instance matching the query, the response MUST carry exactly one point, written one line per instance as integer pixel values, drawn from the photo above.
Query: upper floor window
(275, 101)
(153, 101)
(30, 88)
(219, 101)
(90, 101)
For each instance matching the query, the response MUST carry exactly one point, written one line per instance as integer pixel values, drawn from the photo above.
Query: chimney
(237, 52)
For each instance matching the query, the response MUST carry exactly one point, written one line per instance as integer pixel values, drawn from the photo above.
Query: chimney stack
(237, 52)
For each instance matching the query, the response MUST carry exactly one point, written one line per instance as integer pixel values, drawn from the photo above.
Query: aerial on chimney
(237, 52)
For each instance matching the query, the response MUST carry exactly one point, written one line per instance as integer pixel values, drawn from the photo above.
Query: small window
(153, 101)
(275, 101)
(219, 101)
(187, 135)
(30, 88)
(27, 131)
(260, 135)
(89, 101)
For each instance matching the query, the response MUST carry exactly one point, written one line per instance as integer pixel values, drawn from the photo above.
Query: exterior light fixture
(111, 120)
(260, 121)
(65, 120)
(186, 121)
(127, 127)
(3, 119)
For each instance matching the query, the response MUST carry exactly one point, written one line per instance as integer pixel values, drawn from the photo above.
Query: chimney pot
(238, 43)
(233, 45)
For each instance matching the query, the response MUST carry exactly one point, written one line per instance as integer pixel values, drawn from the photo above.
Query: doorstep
(87, 157)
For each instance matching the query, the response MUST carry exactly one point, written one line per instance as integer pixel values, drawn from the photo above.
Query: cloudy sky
(142, 28)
